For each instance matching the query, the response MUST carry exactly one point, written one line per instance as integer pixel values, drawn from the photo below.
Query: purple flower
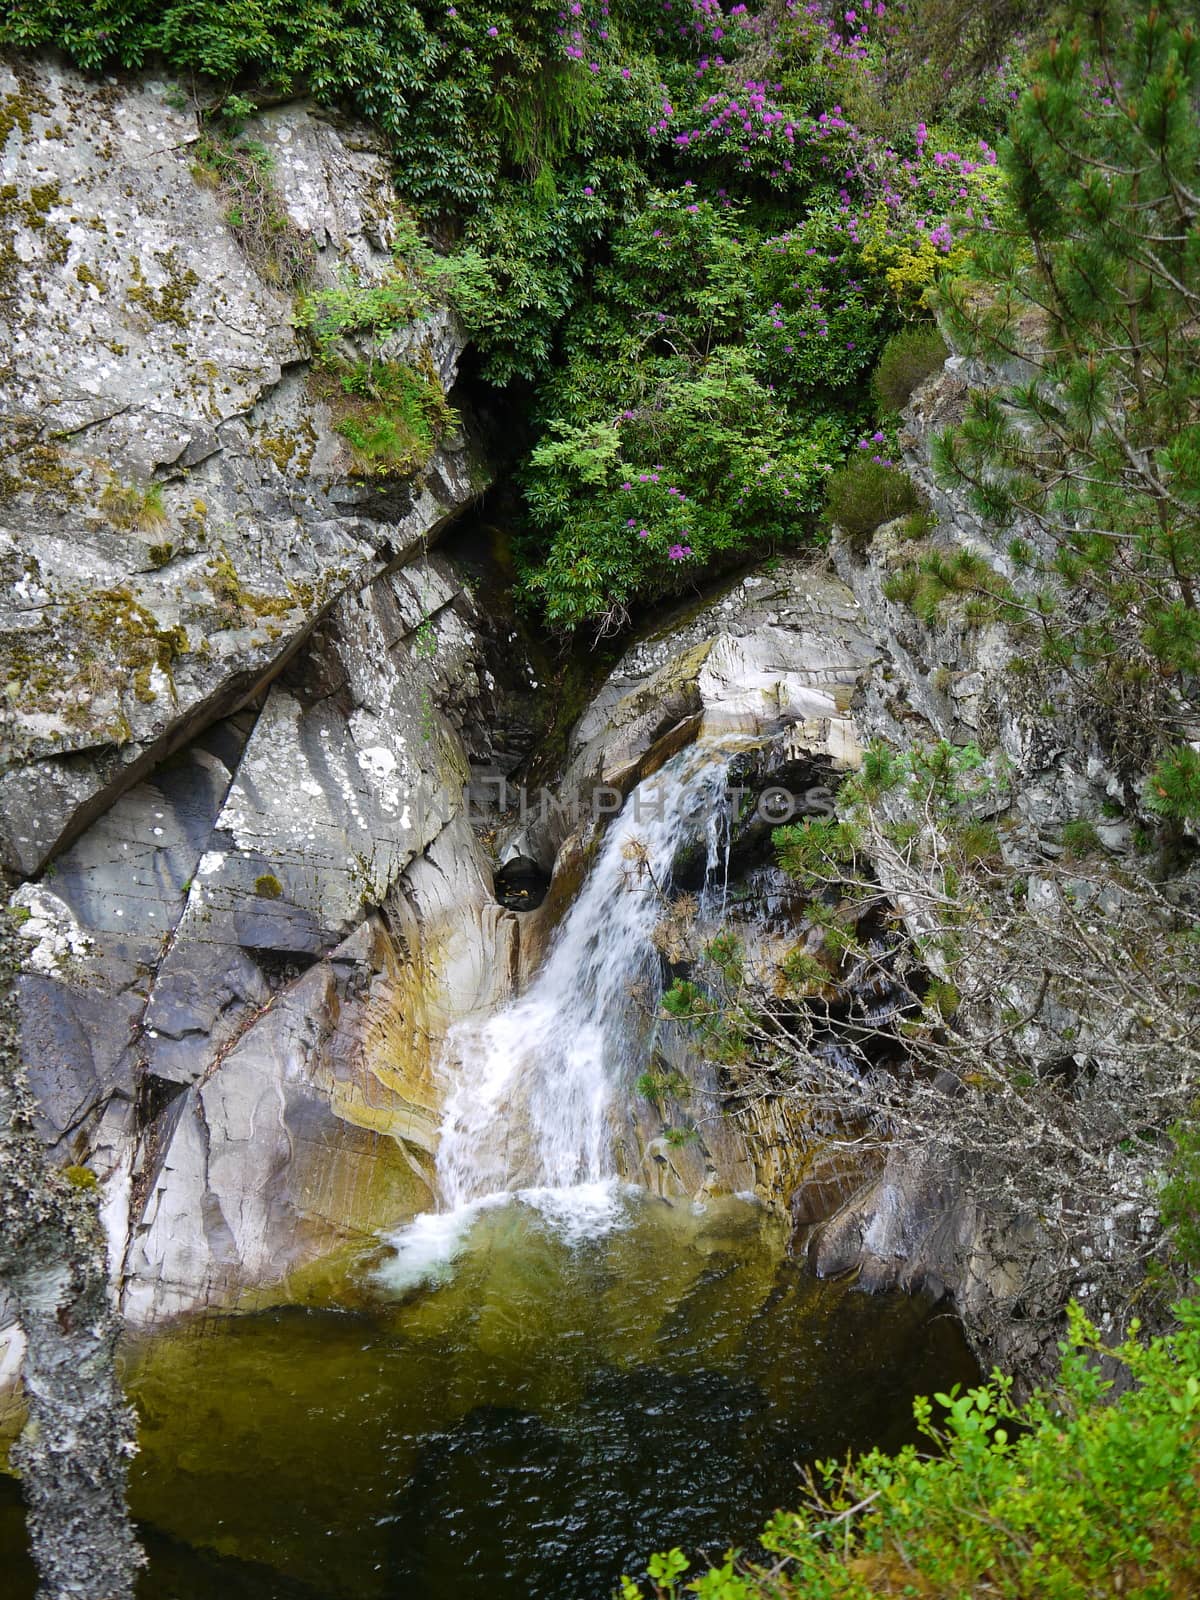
(493, 33)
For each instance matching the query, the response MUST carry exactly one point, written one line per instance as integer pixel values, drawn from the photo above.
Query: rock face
(908, 1220)
(176, 507)
(242, 702)
(239, 978)
(73, 1451)
(951, 678)
(780, 648)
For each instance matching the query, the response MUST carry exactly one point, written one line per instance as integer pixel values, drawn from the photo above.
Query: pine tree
(1092, 285)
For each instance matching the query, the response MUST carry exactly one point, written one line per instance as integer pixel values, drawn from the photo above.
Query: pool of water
(531, 1420)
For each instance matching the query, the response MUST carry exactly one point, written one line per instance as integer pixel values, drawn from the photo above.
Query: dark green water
(533, 1426)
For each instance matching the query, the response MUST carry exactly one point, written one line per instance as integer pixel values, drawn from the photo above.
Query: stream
(526, 1393)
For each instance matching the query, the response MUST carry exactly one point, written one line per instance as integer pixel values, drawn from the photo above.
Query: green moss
(268, 886)
(91, 279)
(239, 602)
(81, 1177)
(115, 627)
(292, 453)
(278, 447)
(392, 415)
(224, 582)
(42, 468)
(33, 208)
(167, 304)
(18, 109)
(20, 914)
(57, 247)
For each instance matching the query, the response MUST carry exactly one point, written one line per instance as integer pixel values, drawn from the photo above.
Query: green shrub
(376, 310)
(908, 358)
(978, 840)
(864, 495)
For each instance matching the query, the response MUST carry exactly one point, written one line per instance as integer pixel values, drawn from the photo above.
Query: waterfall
(533, 1087)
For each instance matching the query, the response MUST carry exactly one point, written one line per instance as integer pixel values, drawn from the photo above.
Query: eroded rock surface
(176, 506)
(238, 980)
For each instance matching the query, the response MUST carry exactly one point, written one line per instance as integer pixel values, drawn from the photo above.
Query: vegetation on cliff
(704, 243)
(688, 228)
(1028, 1010)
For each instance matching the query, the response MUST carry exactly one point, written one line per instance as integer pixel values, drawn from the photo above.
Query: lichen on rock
(177, 507)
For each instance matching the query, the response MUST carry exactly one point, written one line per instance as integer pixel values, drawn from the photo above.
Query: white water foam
(532, 1088)
(427, 1248)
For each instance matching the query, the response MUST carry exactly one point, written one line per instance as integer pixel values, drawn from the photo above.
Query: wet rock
(775, 652)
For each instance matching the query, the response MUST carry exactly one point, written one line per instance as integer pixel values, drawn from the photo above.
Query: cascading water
(599, 1376)
(531, 1101)
(534, 1088)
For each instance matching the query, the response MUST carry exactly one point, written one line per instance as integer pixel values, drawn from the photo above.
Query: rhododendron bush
(682, 228)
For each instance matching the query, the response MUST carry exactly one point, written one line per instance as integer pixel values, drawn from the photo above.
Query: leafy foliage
(430, 78)
(663, 220)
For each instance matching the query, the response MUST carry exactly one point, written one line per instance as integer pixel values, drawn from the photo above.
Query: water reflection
(532, 1426)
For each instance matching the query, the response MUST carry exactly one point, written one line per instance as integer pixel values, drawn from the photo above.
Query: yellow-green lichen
(18, 109)
(33, 208)
(239, 602)
(168, 303)
(90, 278)
(42, 468)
